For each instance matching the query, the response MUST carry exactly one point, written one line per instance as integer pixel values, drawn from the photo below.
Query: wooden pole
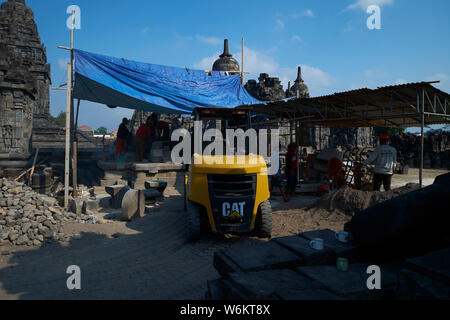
(74, 127)
(22, 174)
(242, 67)
(34, 166)
(67, 158)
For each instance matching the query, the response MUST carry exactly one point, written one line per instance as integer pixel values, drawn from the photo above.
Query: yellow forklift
(228, 195)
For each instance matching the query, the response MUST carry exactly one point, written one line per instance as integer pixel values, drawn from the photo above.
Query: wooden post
(34, 166)
(74, 127)
(69, 124)
(242, 67)
(67, 158)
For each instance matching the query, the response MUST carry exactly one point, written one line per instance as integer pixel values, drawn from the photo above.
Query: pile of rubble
(28, 218)
(350, 201)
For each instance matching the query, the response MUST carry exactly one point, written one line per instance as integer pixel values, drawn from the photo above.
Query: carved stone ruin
(24, 82)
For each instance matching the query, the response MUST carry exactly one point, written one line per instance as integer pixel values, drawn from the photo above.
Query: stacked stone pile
(28, 218)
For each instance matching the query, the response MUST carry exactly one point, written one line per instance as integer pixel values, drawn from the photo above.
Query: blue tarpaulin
(148, 87)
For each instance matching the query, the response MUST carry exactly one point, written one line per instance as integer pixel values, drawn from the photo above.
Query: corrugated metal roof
(395, 106)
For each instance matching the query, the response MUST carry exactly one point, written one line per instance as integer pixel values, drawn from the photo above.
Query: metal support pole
(422, 138)
(68, 129)
(297, 141)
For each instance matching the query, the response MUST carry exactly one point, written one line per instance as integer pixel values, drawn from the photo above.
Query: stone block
(215, 290)
(300, 246)
(104, 201)
(263, 285)
(305, 294)
(114, 190)
(133, 205)
(90, 205)
(151, 194)
(158, 185)
(342, 250)
(415, 286)
(117, 193)
(435, 265)
(262, 256)
(353, 283)
(77, 206)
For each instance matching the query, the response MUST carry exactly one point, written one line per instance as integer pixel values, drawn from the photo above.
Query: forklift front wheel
(192, 222)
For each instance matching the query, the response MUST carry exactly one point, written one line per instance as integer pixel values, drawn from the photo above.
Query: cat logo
(235, 210)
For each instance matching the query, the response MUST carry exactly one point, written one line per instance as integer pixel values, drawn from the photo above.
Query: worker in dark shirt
(142, 138)
(291, 170)
(122, 136)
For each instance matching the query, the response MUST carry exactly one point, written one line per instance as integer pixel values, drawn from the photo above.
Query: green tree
(60, 120)
(101, 131)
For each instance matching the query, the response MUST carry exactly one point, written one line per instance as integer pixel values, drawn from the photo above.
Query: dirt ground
(146, 258)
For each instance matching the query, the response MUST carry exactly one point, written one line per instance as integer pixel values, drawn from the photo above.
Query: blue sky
(329, 39)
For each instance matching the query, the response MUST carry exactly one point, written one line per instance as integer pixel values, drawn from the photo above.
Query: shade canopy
(148, 87)
(392, 106)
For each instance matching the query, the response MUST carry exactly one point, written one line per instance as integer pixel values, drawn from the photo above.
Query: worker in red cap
(384, 158)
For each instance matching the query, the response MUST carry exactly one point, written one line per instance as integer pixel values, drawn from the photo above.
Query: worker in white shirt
(384, 158)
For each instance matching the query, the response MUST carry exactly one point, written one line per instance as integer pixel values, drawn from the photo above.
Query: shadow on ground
(154, 263)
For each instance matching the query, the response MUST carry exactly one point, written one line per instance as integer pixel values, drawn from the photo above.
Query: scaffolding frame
(402, 106)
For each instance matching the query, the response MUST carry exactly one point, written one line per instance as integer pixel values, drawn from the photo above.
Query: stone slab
(300, 246)
(263, 256)
(223, 264)
(305, 295)
(415, 286)
(351, 284)
(435, 265)
(263, 285)
(230, 292)
(215, 290)
(342, 250)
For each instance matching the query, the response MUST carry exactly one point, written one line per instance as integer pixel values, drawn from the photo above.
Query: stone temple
(24, 81)
(24, 92)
